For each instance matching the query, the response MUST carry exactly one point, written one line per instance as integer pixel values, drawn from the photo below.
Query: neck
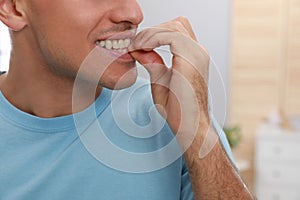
(34, 87)
(37, 90)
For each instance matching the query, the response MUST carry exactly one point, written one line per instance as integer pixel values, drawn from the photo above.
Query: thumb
(153, 63)
(160, 75)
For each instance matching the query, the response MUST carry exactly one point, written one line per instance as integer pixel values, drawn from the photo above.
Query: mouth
(117, 45)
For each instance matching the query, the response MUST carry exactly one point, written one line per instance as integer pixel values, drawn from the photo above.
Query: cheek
(63, 24)
(69, 38)
(63, 47)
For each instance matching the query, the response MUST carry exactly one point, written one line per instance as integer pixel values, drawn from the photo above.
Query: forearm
(212, 174)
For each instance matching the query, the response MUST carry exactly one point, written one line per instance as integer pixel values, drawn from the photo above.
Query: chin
(121, 80)
(125, 82)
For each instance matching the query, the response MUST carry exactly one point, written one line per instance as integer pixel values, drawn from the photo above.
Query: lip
(121, 57)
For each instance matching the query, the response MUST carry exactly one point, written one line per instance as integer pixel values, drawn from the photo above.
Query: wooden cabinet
(277, 163)
(265, 66)
(292, 82)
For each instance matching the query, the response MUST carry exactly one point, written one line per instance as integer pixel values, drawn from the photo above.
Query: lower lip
(124, 57)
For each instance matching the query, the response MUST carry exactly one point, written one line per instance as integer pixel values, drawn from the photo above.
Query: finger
(153, 38)
(189, 57)
(138, 43)
(159, 74)
(187, 25)
(176, 25)
(180, 45)
(153, 63)
(187, 52)
(180, 24)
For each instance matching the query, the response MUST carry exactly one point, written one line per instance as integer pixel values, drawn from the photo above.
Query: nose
(127, 11)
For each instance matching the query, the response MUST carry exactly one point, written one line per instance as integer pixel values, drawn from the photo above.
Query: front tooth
(108, 44)
(127, 42)
(121, 44)
(115, 44)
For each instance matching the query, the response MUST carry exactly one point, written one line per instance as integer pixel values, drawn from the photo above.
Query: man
(67, 58)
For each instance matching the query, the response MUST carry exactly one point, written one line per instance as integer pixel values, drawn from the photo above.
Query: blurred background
(254, 82)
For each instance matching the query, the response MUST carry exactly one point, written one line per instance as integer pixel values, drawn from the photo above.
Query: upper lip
(118, 36)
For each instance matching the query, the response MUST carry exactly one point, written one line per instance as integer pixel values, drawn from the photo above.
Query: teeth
(108, 44)
(119, 45)
(102, 43)
(127, 42)
(115, 44)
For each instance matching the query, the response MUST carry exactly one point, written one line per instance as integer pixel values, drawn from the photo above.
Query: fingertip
(130, 48)
(147, 57)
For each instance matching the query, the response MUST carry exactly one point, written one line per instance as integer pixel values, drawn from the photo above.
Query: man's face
(65, 31)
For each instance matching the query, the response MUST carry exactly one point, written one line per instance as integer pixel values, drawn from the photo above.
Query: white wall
(4, 47)
(211, 22)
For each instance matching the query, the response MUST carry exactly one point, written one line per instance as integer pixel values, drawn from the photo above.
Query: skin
(51, 38)
(50, 63)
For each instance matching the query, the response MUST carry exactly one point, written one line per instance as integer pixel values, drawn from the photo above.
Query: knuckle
(183, 19)
(178, 24)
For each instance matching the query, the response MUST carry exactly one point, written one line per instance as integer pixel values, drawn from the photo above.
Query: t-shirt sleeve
(186, 186)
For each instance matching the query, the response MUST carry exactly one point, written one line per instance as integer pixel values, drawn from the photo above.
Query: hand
(180, 92)
(181, 95)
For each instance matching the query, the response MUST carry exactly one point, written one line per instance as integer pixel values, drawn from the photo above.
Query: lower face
(68, 33)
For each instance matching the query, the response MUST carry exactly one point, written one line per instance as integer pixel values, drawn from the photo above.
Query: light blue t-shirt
(122, 153)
